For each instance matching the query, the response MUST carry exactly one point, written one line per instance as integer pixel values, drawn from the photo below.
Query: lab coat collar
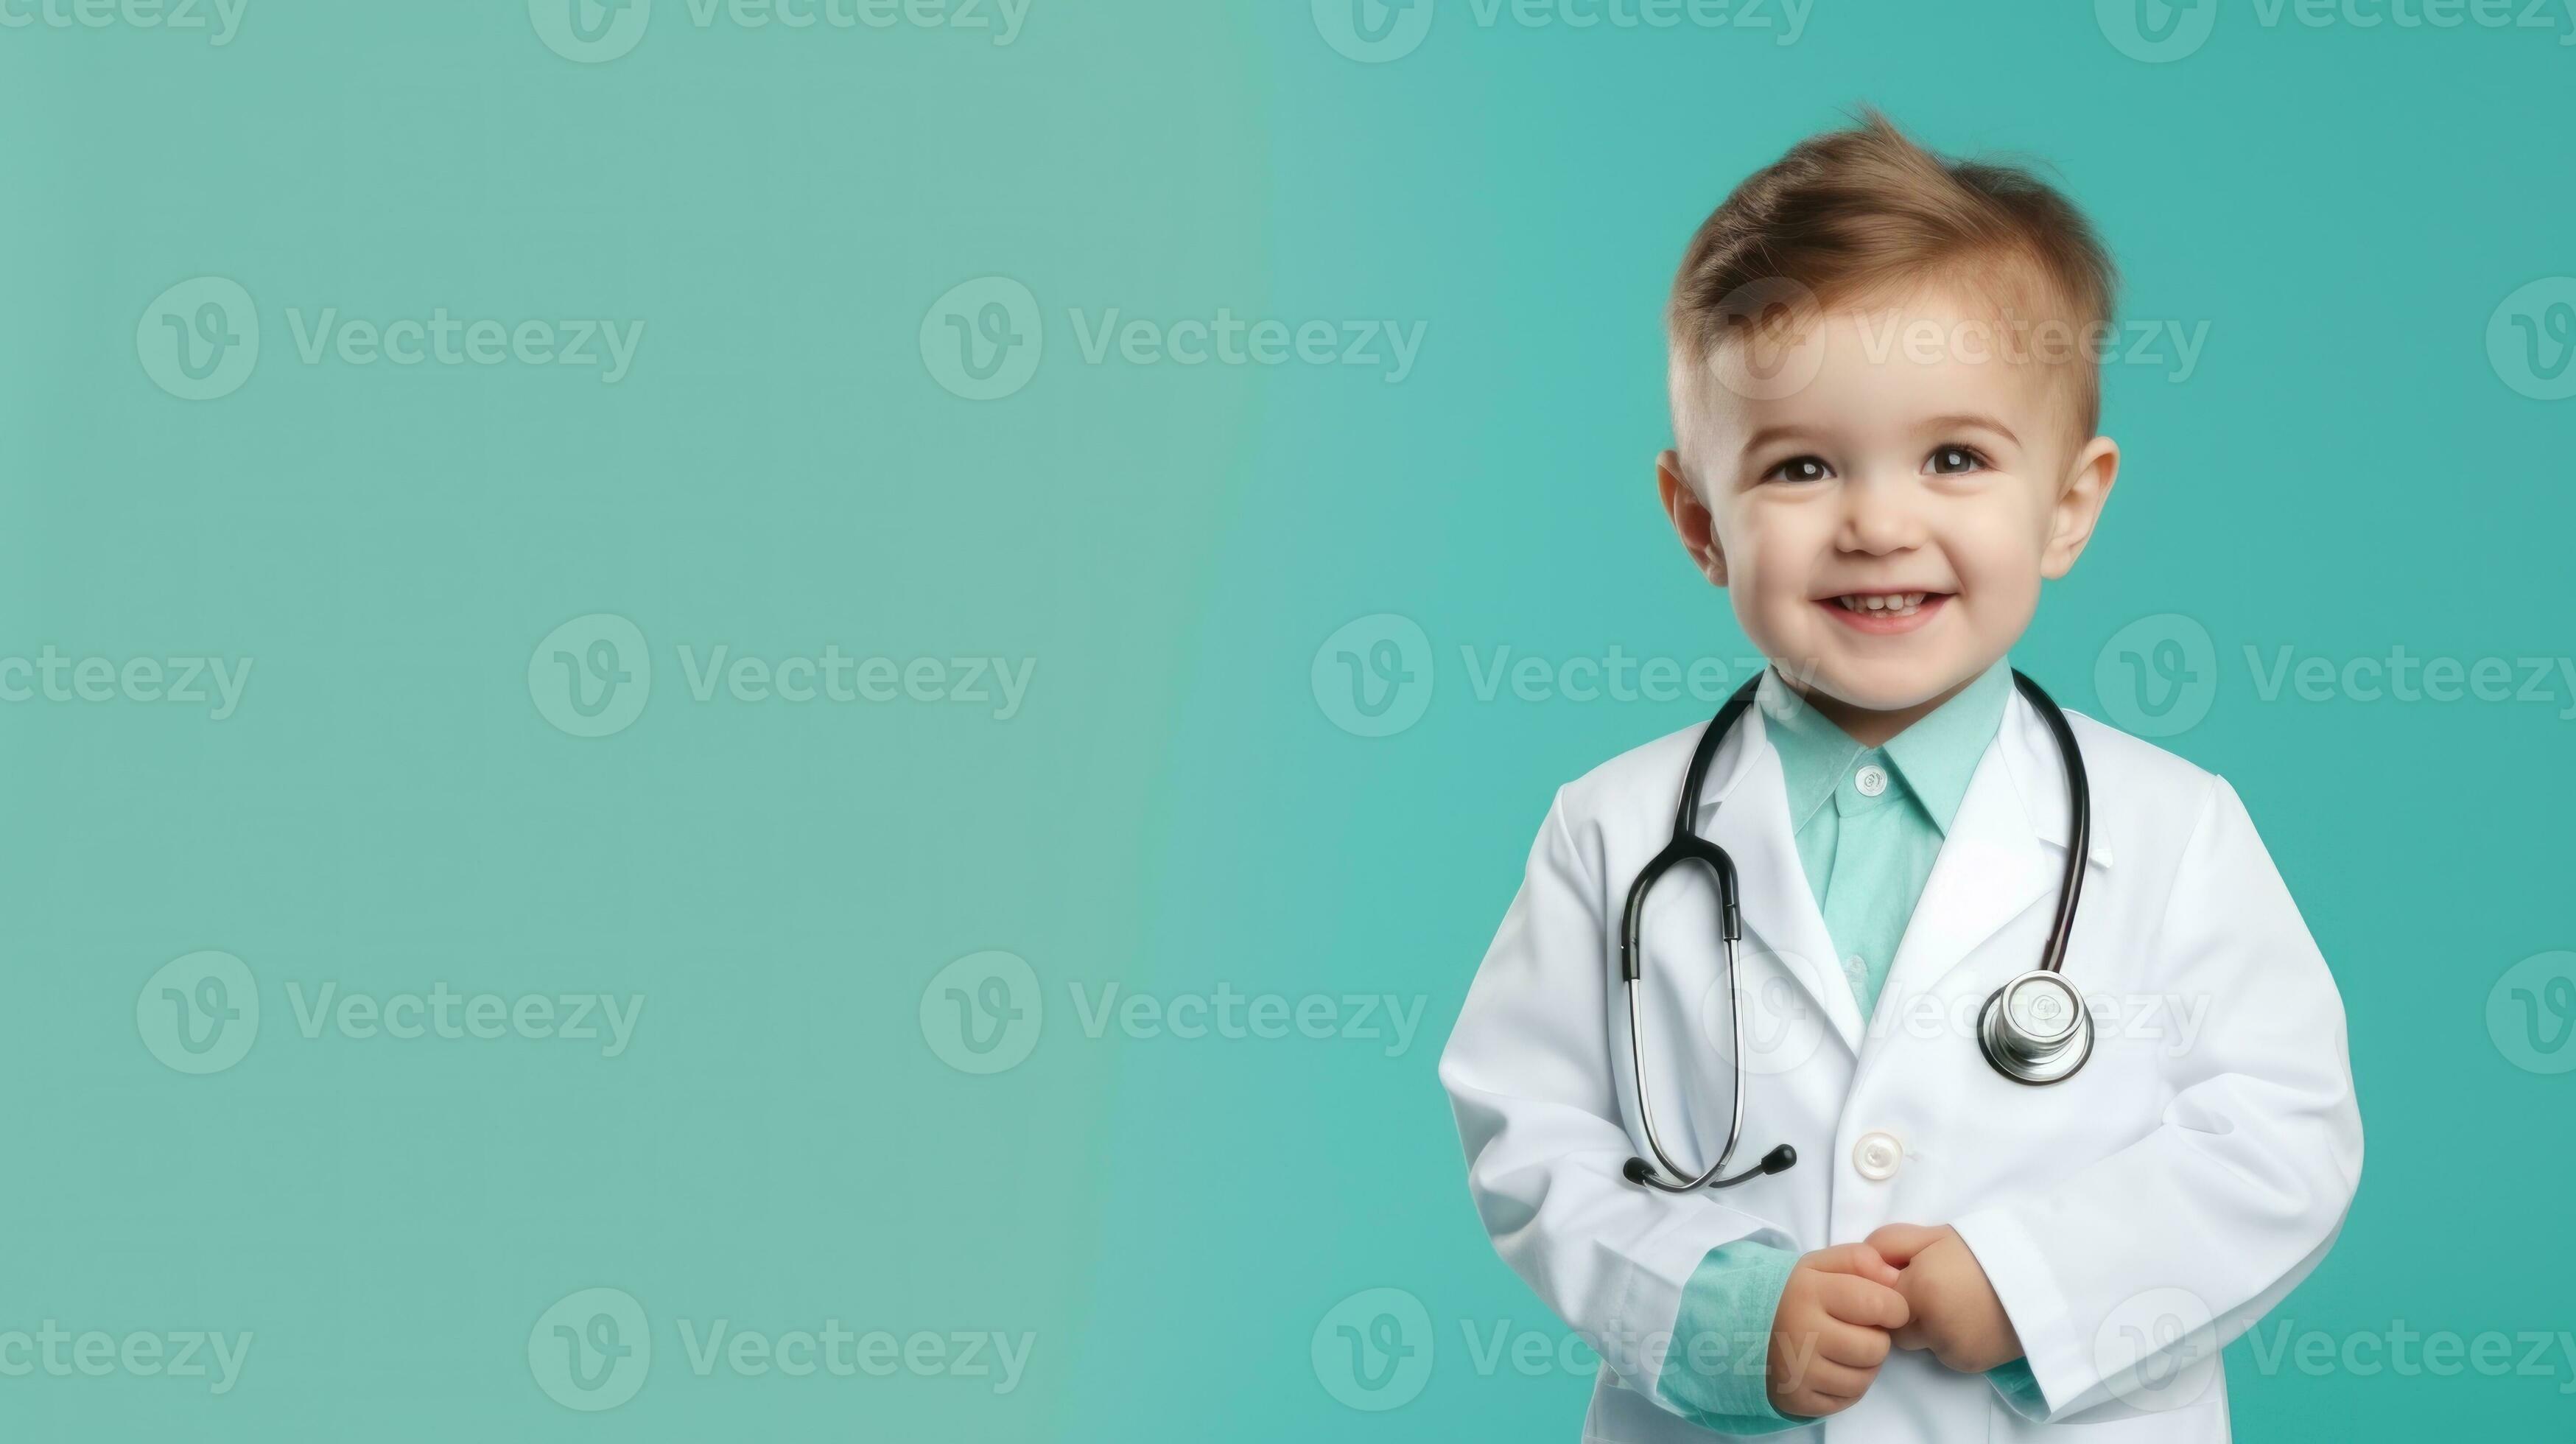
(2004, 851)
(2038, 777)
(1748, 793)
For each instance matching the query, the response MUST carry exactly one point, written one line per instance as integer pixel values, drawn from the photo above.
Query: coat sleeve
(2125, 1279)
(1529, 1077)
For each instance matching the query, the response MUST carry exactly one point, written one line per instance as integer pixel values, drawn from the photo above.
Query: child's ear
(1691, 520)
(2079, 505)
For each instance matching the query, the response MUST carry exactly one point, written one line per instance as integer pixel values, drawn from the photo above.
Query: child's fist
(1952, 1310)
(1832, 1330)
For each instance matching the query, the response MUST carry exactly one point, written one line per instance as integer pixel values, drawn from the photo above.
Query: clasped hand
(1905, 1287)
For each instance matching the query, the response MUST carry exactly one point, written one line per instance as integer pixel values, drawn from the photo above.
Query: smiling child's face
(1883, 528)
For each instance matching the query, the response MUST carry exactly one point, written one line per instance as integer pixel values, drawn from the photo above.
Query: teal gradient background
(1166, 1221)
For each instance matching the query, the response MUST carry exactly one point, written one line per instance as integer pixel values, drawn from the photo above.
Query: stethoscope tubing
(1687, 846)
(1646, 1107)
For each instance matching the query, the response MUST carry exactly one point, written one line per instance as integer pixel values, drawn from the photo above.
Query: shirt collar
(1935, 757)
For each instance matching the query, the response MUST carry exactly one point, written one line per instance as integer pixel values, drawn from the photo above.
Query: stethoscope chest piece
(2035, 1029)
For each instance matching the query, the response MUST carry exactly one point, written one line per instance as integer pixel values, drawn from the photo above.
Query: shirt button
(1870, 780)
(1876, 1156)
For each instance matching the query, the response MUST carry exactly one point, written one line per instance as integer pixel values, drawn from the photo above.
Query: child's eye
(1955, 461)
(1800, 468)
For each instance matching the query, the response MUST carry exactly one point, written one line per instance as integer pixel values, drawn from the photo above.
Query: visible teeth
(1902, 604)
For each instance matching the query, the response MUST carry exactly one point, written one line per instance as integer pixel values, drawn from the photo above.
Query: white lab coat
(2189, 1175)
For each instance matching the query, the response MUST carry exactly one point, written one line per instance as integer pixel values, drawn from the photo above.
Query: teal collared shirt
(1869, 822)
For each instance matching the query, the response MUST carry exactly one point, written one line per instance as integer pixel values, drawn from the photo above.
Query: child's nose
(1880, 516)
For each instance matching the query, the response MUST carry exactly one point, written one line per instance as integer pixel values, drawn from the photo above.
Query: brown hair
(1855, 213)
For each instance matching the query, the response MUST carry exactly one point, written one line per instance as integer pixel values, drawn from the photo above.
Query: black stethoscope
(2034, 1029)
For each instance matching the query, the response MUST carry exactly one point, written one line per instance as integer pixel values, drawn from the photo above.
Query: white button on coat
(1870, 780)
(1876, 1156)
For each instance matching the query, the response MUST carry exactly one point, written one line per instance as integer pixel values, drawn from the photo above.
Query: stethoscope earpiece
(1778, 1160)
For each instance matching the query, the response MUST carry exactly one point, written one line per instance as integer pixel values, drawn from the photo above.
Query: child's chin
(1886, 686)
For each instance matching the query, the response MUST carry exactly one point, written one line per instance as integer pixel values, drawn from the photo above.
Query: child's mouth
(1883, 613)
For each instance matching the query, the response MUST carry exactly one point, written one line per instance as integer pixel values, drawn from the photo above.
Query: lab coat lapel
(1993, 862)
(1779, 908)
